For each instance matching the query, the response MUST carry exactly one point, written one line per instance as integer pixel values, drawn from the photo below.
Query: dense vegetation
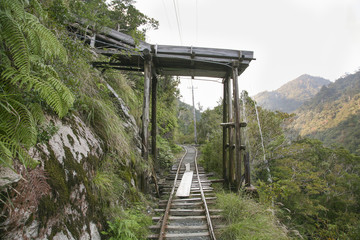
(332, 115)
(46, 74)
(315, 190)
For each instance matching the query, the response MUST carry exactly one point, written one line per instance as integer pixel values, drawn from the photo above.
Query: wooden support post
(153, 119)
(146, 105)
(247, 169)
(225, 110)
(231, 165)
(237, 126)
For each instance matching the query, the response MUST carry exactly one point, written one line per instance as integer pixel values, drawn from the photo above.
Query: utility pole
(192, 88)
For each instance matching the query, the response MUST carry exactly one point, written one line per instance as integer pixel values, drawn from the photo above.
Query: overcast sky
(288, 37)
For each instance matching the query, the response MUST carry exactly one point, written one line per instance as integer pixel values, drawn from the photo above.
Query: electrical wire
(203, 79)
(196, 22)
(166, 13)
(178, 22)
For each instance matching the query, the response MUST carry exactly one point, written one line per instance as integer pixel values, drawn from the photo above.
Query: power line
(178, 21)
(202, 79)
(196, 22)
(167, 15)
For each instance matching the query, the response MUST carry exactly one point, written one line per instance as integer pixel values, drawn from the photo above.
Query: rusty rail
(168, 206)
(208, 218)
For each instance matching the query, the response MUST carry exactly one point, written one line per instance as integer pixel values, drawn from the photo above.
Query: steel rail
(208, 218)
(168, 206)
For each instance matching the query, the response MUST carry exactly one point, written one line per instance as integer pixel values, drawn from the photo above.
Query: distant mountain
(333, 114)
(292, 95)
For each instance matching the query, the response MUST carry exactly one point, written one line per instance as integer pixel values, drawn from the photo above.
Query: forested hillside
(314, 190)
(291, 95)
(333, 114)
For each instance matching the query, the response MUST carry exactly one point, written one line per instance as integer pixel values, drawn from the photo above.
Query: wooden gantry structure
(154, 60)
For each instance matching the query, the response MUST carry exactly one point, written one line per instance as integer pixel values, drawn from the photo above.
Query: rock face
(68, 210)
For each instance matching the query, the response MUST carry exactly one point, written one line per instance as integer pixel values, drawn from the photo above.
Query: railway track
(186, 213)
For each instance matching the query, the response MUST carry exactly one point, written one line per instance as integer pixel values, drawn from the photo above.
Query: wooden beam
(247, 169)
(146, 104)
(231, 164)
(199, 51)
(154, 85)
(232, 124)
(225, 111)
(237, 127)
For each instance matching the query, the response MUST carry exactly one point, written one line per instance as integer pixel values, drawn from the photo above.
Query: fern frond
(39, 66)
(15, 8)
(11, 150)
(66, 95)
(55, 93)
(6, 155)
(37, 112)
(17, 122)
(49, 43)
(36, 5)
(15, 41)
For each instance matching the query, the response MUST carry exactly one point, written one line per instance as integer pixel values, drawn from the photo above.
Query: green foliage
(317, 185)
(185, 116)
(211, 157)
(27, 78)
(332, 115)
(117, 14)
(247, 219)
(45, 132)
(165, 156)
(132, 224)
(209, 122)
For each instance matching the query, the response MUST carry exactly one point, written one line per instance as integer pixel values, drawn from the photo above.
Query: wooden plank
(187, 217)
(190, 199)
(180, 235)
(185, 185)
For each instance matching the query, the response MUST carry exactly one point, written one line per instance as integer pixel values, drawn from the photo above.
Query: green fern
(26, 49)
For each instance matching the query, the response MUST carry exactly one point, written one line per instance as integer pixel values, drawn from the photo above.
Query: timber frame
(130, 55)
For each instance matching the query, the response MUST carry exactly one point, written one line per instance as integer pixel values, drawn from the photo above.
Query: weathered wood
(146, 104)
(247, 169)
(187, 212)
(237, 127)
(112, 42)
(232, 124)
(229, 124)
(231, 165)
(199, 51)
(181, 235)
(124, 38)
(225, 99)
(187, 217)
(153, 119)
(185, 185)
